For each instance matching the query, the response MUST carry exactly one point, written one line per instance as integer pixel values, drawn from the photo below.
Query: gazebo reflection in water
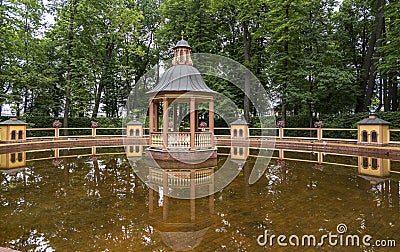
(180, 199)
(181, 205)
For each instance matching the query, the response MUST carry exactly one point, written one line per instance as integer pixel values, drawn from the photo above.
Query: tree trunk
(386, 94)
(360, 97)
(18, 110)
(73, 6)
(393, 83)
(370, 86)
(26, 101)
(246, 50)
(107, 59)
(369, 67)
(286, 66)
(67, 106)
(135, 97)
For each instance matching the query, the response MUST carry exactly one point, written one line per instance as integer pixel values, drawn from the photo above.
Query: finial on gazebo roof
(182, 52)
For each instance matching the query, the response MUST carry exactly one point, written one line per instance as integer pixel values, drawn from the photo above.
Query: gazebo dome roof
(180, 78)
(182, 43)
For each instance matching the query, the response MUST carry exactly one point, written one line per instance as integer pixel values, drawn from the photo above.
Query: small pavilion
(12, 130)
(373, 130)
(176, 98)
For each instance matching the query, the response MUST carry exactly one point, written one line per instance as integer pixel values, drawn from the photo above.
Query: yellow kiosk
(12, 130)
(239, 129)
(134, 128)
(373, 130)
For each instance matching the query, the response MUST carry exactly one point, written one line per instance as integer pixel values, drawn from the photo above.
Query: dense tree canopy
(314, 57)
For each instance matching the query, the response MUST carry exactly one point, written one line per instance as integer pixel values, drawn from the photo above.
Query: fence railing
(324, 134)
(43, 133)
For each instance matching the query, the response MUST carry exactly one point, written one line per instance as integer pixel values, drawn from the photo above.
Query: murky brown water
(97, 203)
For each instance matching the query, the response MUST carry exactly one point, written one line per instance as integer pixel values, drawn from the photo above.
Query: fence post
(56, 132)
(93, 132)
(281, 154)
(319, 133)
(280, 132)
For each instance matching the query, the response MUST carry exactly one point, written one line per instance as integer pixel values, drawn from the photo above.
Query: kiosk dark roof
(13, 121)
(239, 121)
(374, 121)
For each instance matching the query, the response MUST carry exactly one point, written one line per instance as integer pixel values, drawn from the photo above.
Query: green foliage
(310, 55)
(75, 122)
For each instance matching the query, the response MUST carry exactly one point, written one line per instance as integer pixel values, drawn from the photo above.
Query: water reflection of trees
(56, 203)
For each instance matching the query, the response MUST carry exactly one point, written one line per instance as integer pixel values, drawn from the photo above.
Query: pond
(72, 200)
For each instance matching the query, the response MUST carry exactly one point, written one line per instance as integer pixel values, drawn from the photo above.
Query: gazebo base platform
(181, 158)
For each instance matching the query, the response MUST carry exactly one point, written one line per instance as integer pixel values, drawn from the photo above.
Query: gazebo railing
(181, 140)
(203, 139)
(157, 140)
(178, 140)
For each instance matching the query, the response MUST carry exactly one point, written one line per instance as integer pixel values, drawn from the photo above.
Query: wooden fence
(322, 134)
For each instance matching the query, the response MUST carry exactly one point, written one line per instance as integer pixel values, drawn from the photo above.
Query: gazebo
(177, 96)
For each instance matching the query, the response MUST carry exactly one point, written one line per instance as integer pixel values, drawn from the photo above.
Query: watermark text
(331, 239)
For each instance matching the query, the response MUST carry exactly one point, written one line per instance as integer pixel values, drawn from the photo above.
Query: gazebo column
(151, 118)
(211, 116)
(196, 128)
(192, 121)
(165, 122)
(174, 116)
(155, 116)
(211, 120)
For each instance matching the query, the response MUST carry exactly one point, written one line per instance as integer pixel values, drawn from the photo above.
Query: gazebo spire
(182, 53)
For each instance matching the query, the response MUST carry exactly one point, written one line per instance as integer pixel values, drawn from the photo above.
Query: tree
(284, 20)
(388, 66)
